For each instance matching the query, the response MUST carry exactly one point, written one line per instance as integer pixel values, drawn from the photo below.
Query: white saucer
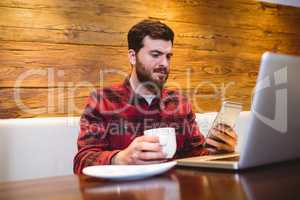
(127, 172)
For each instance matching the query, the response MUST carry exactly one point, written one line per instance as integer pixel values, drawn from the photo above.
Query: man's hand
(223, 138)
(142, 150)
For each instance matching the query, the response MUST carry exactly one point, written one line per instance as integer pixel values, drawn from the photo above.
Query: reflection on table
(279, 181)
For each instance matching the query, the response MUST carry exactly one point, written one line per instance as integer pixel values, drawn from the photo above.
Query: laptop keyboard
(236, 158)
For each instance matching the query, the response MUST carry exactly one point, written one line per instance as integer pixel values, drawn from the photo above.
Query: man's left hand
(223, 138)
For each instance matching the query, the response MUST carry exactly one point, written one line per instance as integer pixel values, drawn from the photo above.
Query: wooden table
(280, 181)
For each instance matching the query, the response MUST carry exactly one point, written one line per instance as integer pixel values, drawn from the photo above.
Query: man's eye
(155, 55)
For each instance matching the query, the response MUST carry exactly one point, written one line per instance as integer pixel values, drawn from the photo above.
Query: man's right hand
(143, 150)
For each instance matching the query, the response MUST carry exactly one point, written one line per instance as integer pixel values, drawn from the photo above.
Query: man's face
(153, 61)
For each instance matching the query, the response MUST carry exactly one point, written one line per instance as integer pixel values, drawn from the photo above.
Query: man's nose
(164, 61)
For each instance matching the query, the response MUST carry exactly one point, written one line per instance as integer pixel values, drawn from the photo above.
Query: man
(112, 124)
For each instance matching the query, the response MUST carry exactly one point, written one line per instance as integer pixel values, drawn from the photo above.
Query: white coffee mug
(167, 138)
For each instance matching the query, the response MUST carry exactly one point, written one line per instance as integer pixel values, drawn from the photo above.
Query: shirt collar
(132, 96)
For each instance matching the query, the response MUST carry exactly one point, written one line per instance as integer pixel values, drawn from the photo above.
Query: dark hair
(153, 28)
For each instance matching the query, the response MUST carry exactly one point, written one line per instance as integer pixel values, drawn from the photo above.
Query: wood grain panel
(43, 26)
(82, 63)
(220, 13)
(188, 36)
(65, 20)
(36, 102)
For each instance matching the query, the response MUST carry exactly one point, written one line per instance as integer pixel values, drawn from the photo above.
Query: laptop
(273, 130)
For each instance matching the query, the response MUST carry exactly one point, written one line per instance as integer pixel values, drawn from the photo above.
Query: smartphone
(227, 115)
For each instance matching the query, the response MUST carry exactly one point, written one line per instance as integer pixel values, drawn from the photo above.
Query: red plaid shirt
(114, 117)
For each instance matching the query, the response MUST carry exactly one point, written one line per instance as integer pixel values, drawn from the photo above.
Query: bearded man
(114, 119)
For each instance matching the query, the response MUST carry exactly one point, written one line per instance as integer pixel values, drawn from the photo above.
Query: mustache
(163, 70)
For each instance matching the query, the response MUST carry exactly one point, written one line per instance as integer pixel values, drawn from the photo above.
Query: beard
(146, 77)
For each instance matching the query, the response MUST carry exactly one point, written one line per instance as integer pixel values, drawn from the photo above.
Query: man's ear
(132, 56)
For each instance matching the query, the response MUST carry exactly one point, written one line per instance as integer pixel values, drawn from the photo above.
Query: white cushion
(37, 147)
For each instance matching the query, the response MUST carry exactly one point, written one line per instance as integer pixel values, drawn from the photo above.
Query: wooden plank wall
(52, 51)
